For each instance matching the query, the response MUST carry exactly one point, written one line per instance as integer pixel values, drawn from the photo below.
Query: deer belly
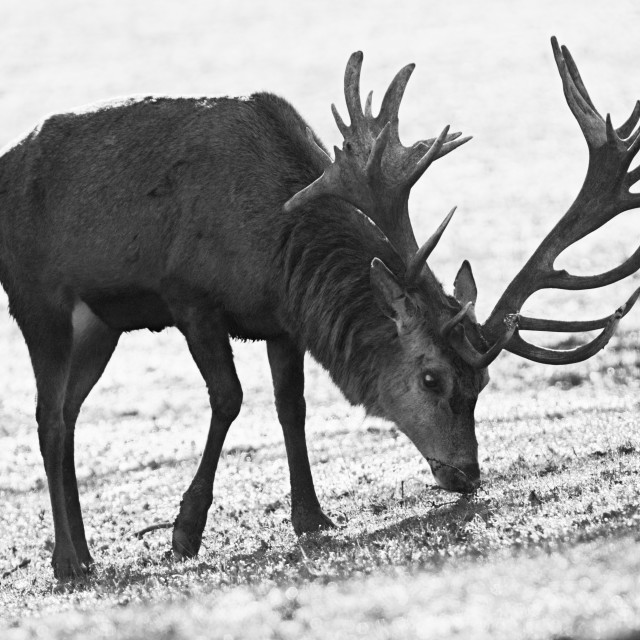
(129, 309)
(253, 326)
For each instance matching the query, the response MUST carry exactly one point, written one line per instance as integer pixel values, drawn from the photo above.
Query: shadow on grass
(420, 532)
(417, 542)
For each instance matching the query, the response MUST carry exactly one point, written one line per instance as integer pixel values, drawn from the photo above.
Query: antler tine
(634, 145)
(452, 142)
(448, 326)
(373, 168)
(352, 88)
(627, 127)
(390, 107)
(472, 356)
(521, 347)
(564, 280)
(425, 162)
(573, 72)
(578, 100)
(314, 143)
(336, 180)
(367, 105)
(419, 260)
(604, 195)
(322, 186)
(537, 324)
(633, 176)
(342, 127)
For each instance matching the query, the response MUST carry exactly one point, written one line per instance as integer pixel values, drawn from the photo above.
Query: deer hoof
(86, 560)
(68, 567)
(185, 545)
(311, 521)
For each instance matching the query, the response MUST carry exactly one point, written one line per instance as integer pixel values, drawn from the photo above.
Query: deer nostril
(472, 472)
(462, 479)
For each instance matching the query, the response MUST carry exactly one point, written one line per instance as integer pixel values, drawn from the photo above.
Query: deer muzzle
(463, 479)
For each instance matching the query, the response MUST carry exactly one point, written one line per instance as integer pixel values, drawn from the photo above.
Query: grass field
(550, 545)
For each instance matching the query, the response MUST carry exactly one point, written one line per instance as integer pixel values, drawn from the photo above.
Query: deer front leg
(287, 371)
(208, 340)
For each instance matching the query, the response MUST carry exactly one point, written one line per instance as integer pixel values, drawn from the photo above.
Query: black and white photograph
(319, 320)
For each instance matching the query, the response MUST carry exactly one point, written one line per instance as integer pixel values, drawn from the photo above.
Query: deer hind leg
(47, 330)
(287, 371)
(208, 340)
(93, 345)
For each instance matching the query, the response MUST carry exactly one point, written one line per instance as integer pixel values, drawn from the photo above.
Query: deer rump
(132, 203)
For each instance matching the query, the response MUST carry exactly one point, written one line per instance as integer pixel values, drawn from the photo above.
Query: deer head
(423, 385)
(428, 390)
(439, 364)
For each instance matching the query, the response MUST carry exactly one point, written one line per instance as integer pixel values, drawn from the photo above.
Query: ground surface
(548, 547)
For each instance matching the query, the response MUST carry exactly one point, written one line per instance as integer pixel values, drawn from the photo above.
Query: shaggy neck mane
(332, 311)
(325, 253)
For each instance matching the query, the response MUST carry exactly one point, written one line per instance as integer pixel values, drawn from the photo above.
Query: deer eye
(429, 381)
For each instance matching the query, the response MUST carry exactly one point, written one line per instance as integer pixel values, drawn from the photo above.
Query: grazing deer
(227, 217)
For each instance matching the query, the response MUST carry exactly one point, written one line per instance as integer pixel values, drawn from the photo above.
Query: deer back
(125, 198)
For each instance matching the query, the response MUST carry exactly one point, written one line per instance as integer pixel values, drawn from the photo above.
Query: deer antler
(419, 260)
(373, 170)
(604, 195)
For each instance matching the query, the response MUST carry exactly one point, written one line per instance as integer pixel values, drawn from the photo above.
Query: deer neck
(330, 305)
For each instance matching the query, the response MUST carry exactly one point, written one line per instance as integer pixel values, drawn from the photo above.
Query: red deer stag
(157, 212)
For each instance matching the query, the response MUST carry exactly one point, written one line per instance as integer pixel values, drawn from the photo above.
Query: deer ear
(464, 286)
(390, 295)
